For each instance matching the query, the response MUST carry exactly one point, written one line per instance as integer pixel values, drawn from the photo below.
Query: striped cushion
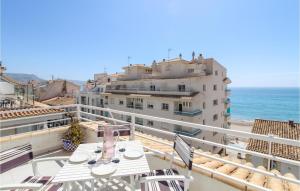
(163, 185)
(45, 181)
(14, 157)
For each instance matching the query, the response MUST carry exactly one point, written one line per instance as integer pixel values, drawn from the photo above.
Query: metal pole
(169, 50)
(270, 151)
(133, 125)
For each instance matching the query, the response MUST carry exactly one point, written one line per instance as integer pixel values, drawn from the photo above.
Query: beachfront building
(282, 129)
(187, 90)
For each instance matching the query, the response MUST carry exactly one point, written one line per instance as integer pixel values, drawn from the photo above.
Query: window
(191, 70)
(150, 123)
(181, 88)
(203, 122)
(150, 106)
(165, 106)
(216, 72)
(152, 87)
(215, 117)
(204, 105)
(215, 102)
(121, 102)
(204, 87)
(215, 87)
(112, 100)
(215, 133)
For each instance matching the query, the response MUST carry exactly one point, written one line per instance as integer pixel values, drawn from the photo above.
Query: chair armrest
(35, 161)
(33, 186)
(163, 178)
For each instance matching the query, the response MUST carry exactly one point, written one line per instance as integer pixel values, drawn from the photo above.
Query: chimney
(164, 60)
(193, 55)
(180, 56)
(291, 123)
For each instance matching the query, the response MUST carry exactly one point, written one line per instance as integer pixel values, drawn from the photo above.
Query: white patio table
(82, 172)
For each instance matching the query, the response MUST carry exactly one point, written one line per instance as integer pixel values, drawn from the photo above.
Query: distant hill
(27, 77)
(24, 77)
(78, 82)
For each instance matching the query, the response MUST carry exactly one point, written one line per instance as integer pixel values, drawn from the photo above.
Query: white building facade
(193, 91)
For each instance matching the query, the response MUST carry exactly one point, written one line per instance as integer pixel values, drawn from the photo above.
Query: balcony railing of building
(135, 106)
(227, 101)
(175, 92)
(190, 133)
(188, 113)
(227, 91)
(87, 116)
(226, 114)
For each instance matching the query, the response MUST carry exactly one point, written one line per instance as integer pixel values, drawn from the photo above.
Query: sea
(265, 103)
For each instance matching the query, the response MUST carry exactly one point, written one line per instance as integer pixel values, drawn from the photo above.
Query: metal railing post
(78, 111)
(270, 150)
(133, 125)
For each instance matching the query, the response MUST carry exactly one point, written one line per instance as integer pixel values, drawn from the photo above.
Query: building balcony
(227, 101)
(188, 113)
(227, 114)
(210, 171)
(157, 92)
(227, 91)
(136, 106)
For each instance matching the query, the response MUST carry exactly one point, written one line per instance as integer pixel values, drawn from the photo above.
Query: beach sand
(241, 125)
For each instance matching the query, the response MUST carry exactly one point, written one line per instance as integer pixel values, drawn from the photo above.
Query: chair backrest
(119, 130)
(184, 150)
(15, 157)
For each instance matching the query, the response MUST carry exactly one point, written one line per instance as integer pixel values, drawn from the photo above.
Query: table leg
(92, 185)
(132, 182)
(64, 186)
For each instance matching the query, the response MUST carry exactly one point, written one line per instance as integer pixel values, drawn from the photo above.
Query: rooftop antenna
(169, 50)
(128, 60)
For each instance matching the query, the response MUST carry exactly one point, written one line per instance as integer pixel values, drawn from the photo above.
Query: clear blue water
(265, 103)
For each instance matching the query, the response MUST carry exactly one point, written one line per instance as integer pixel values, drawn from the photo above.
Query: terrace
(210, 171)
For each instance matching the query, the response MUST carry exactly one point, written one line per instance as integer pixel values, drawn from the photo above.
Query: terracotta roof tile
(19, 113)
(278, 128)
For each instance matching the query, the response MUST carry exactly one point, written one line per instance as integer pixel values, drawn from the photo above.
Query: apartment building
(188, 90)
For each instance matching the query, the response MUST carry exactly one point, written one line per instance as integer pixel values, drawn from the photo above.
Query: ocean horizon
(249, 103)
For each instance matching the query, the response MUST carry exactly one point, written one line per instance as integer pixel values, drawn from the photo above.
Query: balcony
(210, 171)
(144, 91)
(227, 115)
(227, 101)
(188, 113)
(227, 91)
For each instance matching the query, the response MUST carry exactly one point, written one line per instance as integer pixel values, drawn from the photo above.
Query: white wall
(6, 88)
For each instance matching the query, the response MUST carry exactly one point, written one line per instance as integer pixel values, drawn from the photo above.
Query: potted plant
(73, 136)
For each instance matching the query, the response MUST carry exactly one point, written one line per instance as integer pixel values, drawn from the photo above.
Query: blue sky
(256, 40)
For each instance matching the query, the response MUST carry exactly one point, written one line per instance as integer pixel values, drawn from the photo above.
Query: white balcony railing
(151, 92)
(87, 116)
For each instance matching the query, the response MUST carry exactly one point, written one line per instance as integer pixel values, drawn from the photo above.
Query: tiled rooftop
(60, 101)
(27, 113)
(228, 169)
(280, 129)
